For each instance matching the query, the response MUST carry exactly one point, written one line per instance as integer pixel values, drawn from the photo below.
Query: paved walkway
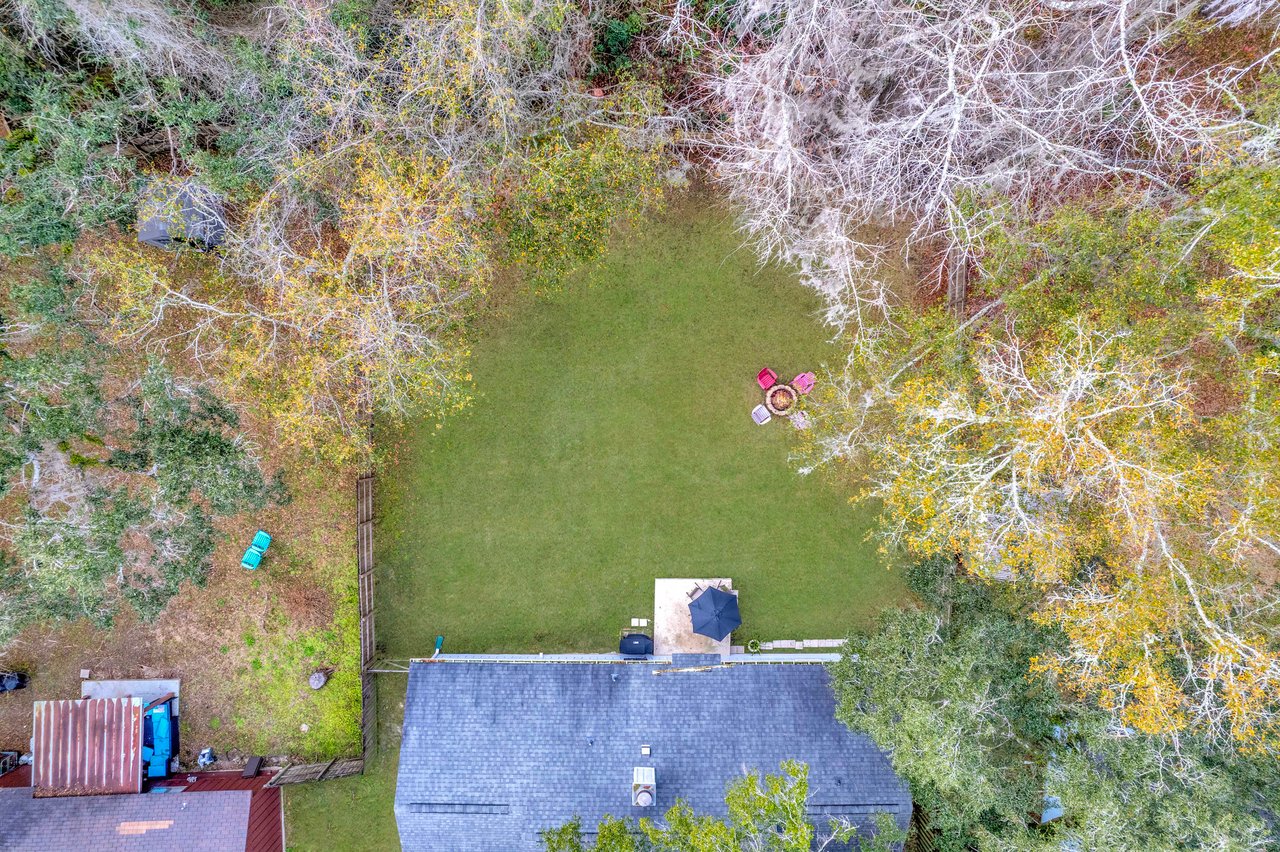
(672, 626)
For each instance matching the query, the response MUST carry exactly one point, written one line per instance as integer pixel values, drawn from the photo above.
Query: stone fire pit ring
(781, 400)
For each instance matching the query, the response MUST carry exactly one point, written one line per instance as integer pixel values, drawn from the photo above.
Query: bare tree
(998, 474)
(161, 37)
(1243, 11)
(1075, 464)
(855, 112)
(379, 166)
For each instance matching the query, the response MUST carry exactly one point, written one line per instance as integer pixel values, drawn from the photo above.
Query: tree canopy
(985, 745)
(374, 169)
(120, 466)
(378, 168)
(766, 813)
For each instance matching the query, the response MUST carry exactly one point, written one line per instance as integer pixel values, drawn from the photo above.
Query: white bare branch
(847, 114)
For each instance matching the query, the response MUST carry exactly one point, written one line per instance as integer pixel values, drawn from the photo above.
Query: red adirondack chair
(766, 378)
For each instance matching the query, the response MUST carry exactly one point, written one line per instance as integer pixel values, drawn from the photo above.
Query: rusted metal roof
(87, 747)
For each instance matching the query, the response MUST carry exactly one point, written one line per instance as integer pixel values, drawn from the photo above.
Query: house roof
(495, 752)
(87, 747)
(265, 829)
(192, 822)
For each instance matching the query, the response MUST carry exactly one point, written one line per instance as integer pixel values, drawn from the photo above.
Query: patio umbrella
(714, 613)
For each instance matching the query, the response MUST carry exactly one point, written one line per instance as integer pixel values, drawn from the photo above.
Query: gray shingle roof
(495, 752)
(132, 822)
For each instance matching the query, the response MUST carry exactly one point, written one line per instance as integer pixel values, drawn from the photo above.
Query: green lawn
(610, 444)
(353, 813)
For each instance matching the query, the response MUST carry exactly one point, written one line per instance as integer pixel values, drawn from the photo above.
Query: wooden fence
(297, 773)
(341, 767)
(368, 642)
(920, 835)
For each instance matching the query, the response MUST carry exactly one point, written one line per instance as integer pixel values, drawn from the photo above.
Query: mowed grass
(611, 443)
(354, 813)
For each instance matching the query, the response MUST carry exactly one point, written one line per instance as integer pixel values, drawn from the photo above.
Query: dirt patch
(1211, 397)
(54, 657)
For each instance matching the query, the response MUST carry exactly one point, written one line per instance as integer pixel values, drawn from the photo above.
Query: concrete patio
(672, 626)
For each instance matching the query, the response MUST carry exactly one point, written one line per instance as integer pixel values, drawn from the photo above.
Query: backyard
(508, 258)
(611, 443)
(242, 646)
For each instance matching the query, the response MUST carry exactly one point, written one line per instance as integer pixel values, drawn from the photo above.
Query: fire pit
(781, 400)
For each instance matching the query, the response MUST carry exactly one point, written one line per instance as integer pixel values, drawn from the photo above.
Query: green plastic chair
(253, 556)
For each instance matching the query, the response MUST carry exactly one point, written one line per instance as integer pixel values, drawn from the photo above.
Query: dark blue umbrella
(715, 613)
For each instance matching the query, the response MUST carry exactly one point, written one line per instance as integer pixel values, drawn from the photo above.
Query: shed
(86, 747)
(171, 214)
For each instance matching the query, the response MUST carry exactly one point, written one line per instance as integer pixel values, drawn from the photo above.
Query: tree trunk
(957, 280)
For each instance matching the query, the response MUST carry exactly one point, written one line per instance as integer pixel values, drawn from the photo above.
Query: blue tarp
(157, 739)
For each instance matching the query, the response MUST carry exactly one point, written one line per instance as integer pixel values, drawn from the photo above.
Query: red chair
(766, 378)
(804, 382)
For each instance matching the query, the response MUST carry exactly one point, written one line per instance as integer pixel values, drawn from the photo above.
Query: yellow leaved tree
(363, 315)
(1106, 431)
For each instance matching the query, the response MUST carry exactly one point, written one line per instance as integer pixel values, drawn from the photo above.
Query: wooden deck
(266, 817)
(20, 777)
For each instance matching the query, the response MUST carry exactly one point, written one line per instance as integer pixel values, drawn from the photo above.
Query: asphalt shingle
(493, 753)
(132, 822)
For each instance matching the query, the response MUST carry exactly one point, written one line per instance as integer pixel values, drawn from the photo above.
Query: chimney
(644, 787)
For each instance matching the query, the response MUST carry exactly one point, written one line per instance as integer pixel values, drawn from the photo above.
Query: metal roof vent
(644, 787)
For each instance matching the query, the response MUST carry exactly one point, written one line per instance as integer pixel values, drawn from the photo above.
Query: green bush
(614, 39)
